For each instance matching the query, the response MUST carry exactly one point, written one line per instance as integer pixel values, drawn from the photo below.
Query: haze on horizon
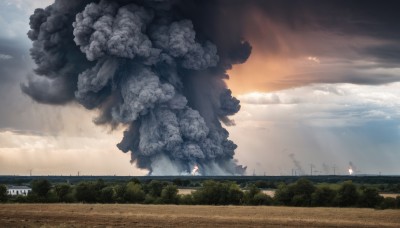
(321, 87)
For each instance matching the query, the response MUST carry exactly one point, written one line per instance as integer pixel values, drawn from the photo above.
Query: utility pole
(334, 170)
(311, 167)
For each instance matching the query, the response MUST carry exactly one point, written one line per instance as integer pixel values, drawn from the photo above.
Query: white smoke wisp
(146, 67)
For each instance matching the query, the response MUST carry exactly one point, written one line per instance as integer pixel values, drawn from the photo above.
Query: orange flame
(195, 170)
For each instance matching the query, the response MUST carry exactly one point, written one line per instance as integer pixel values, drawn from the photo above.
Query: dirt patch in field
(117, 215)
(393, 195)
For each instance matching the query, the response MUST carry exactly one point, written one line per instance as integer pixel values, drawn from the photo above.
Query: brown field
(131, 215)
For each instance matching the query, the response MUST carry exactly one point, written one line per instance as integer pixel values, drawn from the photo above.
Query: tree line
(300, 193)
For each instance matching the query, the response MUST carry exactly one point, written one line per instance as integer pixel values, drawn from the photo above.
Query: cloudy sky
(321, 88)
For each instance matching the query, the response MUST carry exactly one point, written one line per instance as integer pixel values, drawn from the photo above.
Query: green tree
(347, 195)
(177, 182)
(120, 191)
(283, 195)
(370, 198)
(99, 185)
(186, 199)
(388, 203)
(296, 194)
(323, 197)
(135, 180)
(302, 191)
(208, 193)
(169, 194)
(217, 193)
(252, 190)
(21, 199)
(154, 188)
(262, 199)
(107, 194)
(63, 192)
(41, 188)
(3, 193)
(235, 194)
(134, 193)
(86, 192)
(51, 197)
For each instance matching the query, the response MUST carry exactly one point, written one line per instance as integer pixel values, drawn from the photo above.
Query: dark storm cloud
(349, 17)
(386, 53)
(347, 31)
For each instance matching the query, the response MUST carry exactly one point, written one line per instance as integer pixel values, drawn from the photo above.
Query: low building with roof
(18, 190)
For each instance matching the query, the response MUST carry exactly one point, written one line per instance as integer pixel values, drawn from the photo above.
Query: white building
(18, 190)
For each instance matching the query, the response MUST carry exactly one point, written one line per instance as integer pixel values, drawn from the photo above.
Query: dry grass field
(114, 215)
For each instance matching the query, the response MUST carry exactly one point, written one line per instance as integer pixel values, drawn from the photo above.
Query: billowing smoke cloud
(156, 67)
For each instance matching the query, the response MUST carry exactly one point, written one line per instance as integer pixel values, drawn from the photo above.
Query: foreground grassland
(131, 215)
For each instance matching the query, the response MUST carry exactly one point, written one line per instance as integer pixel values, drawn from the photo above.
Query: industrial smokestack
(156, 67)
(297, 164)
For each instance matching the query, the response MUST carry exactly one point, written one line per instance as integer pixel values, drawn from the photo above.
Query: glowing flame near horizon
(350, 171)
(195, 170)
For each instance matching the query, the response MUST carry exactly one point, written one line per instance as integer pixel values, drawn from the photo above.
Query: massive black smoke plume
(157, 67)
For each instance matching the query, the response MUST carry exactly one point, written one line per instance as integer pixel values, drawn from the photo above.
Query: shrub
(154, 188)
(3, 193)
(169, 194)
(235, 194)
(252, 190)
(323, 196)
(283, 196)
(217, 193)
(134, 193)
(119, 191)
(302, 191)
(86, 192)
(107, 195)
(186, 199)
(296, 194)
(370, 198)
(388, 203)
(149, 199)
(63, 192)
(41, 188)
(347, 195)
(398, 202)
(262, 199)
